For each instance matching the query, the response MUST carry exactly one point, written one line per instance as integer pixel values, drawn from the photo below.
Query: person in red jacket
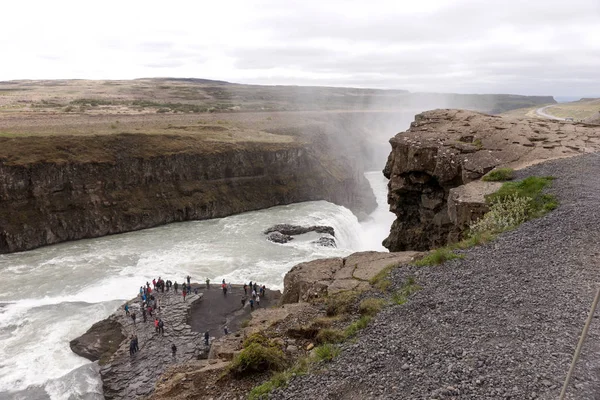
(156, 324)
(184, 293)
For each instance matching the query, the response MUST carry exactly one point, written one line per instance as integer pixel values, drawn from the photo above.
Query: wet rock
(100, 342)
(278, 237)
(292, 230)
(325, 242)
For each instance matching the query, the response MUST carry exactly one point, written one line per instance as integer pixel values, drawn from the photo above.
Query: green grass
(438, 256)
(357, 325)
(381, 281)
(328, 335)
(531, 187)
(245, 323)
(499, 175)
(281, 379)
(341, 303)
(410, 286)
(327, 352)
(258, 338)
(371, 306)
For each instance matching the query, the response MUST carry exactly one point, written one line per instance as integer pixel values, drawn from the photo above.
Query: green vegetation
(341, 303)
(532, 188)
(381, 281)
(371, 306)
(245, 323)
(438, 256)
(477, 143)
(257, 358)
(499, 175)
(280, 379)
(258, 338)
(328, 335)
(410, 286)
(327, 352)
(357, 325)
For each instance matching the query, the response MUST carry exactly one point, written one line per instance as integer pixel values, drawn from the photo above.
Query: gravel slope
(502, 323)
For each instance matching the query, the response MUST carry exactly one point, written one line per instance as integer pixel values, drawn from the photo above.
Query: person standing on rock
(131, 347)
(156, 325)
(257, 301)
(173, 349)
(126, 309)
(251, 304)
(133, 316)
(224, 286)
(176, 286)
(144, 314)
(136, 346)
(184, 293)
(161, 327)
(188, 279)
(226, 330)
(253, 294)
(206, 337)
(243, 301)
(245, 289)
(207, 283)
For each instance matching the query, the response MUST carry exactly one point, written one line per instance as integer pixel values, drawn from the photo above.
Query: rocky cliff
(61, 188)
(434, 168)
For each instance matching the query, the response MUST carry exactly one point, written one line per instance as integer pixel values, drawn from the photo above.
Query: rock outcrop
(101, 341)
(292, 230)
(318, 278)
(446, 149)
(74, 187)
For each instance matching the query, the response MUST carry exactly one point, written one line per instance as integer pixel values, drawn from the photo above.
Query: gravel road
(502, 323)
(542, 112)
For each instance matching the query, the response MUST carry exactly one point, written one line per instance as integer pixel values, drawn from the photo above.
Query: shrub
(371, 306)
(257, 358)
(437, 256)
(327, 352)
(504, 214)
(357, 325)
(258, 338)
(530, 187)
(498, 175)
(329, 336)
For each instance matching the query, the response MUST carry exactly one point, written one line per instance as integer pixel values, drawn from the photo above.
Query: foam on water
(60, 291)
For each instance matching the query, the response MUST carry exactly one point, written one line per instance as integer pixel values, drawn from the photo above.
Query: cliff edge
(434, 168)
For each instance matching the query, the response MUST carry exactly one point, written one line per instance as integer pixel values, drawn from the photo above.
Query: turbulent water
(54, 294)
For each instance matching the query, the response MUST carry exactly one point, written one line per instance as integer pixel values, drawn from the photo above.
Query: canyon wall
(435, 166)
(73, 187)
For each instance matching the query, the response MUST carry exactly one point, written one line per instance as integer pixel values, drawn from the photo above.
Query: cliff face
(433, 165)
(69, 188)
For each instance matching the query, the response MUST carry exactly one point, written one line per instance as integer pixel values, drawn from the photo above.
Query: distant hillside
(192, 95)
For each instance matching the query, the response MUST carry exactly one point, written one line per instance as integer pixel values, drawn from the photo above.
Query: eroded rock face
(445, 149)
(310, 280)
(325, 242)
(120, 183)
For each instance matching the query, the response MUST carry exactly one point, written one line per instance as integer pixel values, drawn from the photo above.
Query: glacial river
(54, 294)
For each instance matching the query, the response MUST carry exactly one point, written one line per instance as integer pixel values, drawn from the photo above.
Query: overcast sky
(546, 47)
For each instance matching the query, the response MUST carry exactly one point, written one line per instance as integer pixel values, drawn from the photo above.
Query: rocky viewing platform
(127, 376)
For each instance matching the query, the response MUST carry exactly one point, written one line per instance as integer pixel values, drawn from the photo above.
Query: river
(54, 294)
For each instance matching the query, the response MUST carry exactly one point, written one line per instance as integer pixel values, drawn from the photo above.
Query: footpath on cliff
(502, 323)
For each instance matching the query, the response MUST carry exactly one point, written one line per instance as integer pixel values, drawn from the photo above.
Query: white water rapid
(54, 294)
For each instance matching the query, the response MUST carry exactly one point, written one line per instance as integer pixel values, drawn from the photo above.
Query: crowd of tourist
(150, 304)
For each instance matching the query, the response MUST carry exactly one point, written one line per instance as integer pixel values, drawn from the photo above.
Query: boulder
(278, 237)
(100, 342)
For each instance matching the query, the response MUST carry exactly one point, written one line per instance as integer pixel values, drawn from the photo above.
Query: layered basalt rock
(74, 187)
(446, 149)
